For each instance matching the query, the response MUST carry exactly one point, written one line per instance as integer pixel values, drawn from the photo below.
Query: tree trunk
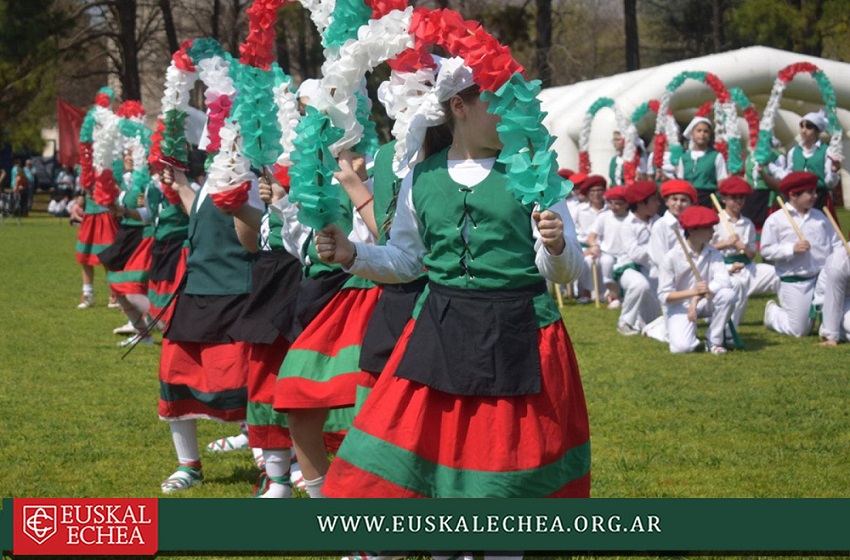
(234, 29)
(717, 32)
(282, 50)
(544, 42)
(301, 48)
(216, 14)
(168, 20)
(632, 41)
(129, 71)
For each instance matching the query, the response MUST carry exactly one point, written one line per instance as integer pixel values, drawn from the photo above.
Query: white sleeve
(666, 278)
(293, 233)
(719, 275)
(657, 242)
(359, 230)
(830, 177)
(566, 267)
(771, 248)
(720, 171)
(400, 260)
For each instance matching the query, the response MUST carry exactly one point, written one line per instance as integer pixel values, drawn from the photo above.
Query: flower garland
(835, 150)
(102, 100)
(623, 127)
(728, 123)
(134, 135)
(104, 146)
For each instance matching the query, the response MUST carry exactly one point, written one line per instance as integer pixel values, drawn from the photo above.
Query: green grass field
(78, 421)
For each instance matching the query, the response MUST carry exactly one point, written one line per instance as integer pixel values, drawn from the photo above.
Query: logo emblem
(39, 522)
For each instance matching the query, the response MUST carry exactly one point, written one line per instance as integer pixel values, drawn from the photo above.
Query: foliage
(28, 54)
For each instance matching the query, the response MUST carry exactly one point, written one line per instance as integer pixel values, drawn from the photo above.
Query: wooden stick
(790, 218)
(725, 219)
(694, 268)
(837, 230)
(593, 270)
(558, 295)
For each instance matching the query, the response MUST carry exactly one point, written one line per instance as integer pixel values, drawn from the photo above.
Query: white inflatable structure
(752, 69)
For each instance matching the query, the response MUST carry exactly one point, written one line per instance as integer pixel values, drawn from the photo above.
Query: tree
(632, 43)
(28, 68)
(544, 41)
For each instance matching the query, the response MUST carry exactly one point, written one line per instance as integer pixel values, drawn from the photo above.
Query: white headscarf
(817, 118)
(694, 122)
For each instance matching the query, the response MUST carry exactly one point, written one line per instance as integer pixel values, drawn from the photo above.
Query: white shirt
(400, 260)
(744, 229)
(584, 218)
(634, 236)
(663, 238)
(607, 230)
(778, 238)
(675, 273)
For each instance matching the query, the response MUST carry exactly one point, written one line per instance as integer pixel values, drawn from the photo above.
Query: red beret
(565, 173)
(616, 193)
(798, 181)
(734, 185)
(698, 217)
(589, 182)
(640, 191)
(679, 186)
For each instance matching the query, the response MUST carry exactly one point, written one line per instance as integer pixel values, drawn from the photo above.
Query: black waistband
(490, 295)
(408, 288)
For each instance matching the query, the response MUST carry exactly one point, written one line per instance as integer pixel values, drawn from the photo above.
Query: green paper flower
(348, 16)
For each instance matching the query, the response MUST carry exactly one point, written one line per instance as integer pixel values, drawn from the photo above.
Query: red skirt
(321, 369)
(133, 279)
(410, 440)
(162, 291)
(203, 380)
(267, 429)
(97, 232)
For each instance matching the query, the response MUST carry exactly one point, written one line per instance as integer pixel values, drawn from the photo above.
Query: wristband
(365, 202)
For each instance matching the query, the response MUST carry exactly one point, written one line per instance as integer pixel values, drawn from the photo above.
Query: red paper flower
(629, 169)
(704, 109)
(219, 110)
(169, 193)
(660, 148)
(653, 105)
(718, 86)
(181, 58)
(723, 148)
(102, 100)
(257, 48)
(155, 152)
(788, 73)
(233, 199)
(583, 162)
(281, 173)
(380, 8)
(105, 191)
(752, 117)
(86, 170)
(411, 60)
(130, 109)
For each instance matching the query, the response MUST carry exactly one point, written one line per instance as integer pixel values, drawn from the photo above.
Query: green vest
(92, 207)
(217, 264)
(612, 173)
(275, 239)
(814, 164)
(154, 197)
(701, 173)
(171, 221)
(385, 185)
(499, 250)
(131, 201)
(751, 178)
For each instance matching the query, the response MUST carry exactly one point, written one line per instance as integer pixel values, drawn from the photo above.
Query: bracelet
(365, 202)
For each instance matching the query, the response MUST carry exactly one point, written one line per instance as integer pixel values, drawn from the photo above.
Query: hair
(468, 95)
(437, 139)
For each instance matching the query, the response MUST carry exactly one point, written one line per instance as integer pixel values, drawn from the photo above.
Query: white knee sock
(88, 289)
(185, 436)
(314, 487)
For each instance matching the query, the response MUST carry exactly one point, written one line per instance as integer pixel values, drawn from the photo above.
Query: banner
(69, 120)
(299, 526)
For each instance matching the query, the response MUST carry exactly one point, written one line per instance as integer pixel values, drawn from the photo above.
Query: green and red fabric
(133, 279)
(97, 232)
(267, 428)
(203, 380)
(322, 368)
(412, 441)
(162, 290)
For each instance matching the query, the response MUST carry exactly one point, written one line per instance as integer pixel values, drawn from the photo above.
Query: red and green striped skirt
(133, 279)
(161, 289)
(321, 369)
(412, 441)
(97, 232)
(203, 380)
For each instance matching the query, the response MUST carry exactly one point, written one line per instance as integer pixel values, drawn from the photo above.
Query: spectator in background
(20, 186)
(29, 171)
(64, 181)
(58, 206)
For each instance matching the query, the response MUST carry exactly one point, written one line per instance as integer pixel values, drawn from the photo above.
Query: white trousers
(753, 279)
(640, 300)
(836, 305)
(604, 271)
(791, 316)
(682, 333)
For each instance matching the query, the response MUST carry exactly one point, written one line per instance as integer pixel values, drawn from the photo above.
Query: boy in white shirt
(797, 262)
(748, 278)
(631, 269)
(592, 188)
(605, 242)
(836, 299)
(686, 297)
(678, 195)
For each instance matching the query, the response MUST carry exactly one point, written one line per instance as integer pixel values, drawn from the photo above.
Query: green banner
(301, 525)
